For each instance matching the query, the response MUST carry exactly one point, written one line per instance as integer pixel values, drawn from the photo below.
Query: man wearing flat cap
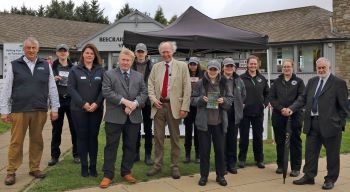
(61, 67)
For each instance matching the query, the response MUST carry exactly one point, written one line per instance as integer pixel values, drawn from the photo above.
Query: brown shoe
(10, 179)
(37, 174)
(105, 182)
(129, 178)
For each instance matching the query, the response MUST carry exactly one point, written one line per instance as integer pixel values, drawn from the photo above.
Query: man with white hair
(325, 100)
(169, 90)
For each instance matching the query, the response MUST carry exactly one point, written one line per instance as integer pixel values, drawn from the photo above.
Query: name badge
(82, 77)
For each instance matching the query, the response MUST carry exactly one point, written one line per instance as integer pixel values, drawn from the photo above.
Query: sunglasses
(229, 65)
(193, 64)
(213, 69)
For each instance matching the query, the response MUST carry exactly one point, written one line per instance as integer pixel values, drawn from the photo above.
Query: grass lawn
(4, 127)
(66, 175)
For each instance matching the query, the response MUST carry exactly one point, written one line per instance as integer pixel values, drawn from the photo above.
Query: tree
(23, 11)
(124, 11)
(41, 11)
(172, 19)
(159, 16)
(96, 14)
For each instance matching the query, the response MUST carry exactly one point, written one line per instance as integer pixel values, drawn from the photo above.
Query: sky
(212, 8)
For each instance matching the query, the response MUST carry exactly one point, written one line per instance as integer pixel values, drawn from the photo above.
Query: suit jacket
(114, 88)
(332, 105)
(180, 86)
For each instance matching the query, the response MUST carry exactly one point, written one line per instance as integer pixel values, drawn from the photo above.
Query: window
(308, 54)
(278, 54)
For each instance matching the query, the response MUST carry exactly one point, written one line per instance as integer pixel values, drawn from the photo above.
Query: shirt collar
(29, 61)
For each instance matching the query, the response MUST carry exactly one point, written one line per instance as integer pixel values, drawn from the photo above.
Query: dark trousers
(113, 131)
(57, 126)
(215, 134)
(231, 140)
(314, 142)
(87, 125)
(147, 128)
(190, 127)
(257, 126)
(279, 123)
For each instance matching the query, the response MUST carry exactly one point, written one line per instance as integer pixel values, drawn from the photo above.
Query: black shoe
(52, 162)
(260, 165)
(232, 170)
(187, 160)
(304, 180)
(279, 170)
(221, 180)
(294, 173)
(328, 185)
(76, 160)
(137, 157)
(241, 164)
(203, 181)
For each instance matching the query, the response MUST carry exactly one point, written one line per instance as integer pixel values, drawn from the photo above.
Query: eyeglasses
(287, 67)
(213, 69)
(229, 65)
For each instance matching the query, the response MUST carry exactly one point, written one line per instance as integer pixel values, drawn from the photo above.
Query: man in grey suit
(169, 90)
(125, 92)
(325, 100)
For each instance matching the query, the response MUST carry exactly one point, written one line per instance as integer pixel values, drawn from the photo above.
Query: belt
(164, 100)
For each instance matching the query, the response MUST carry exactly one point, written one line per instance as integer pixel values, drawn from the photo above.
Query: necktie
(315, 100)
(165, 81)
(126, 78)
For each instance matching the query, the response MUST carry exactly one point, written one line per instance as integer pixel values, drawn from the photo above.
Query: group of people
(215, 104)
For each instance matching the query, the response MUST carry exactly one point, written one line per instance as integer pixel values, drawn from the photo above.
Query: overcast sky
(212, 8)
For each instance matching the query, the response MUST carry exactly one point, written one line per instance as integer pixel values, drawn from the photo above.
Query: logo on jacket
(97, 78)
(259, 79)
(40, 68)
(294, 82)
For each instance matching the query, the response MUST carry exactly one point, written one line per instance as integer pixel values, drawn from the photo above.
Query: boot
(148, 159)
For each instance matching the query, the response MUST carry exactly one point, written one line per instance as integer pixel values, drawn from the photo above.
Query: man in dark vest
(29, 84)
(61, 67)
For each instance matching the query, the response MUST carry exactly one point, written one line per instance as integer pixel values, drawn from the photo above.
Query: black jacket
(85, 86)
(284, 93)
(257, 94)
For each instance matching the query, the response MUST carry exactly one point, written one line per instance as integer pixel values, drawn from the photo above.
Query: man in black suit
(325, 101)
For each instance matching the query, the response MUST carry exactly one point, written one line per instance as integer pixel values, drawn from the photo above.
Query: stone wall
(341, 24)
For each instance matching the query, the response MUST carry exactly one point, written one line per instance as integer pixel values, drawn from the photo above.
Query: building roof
(48, 31)
(133, 17)
(299, 24)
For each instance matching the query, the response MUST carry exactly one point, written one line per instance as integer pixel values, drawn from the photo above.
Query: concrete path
(22, 177)
(249, 179)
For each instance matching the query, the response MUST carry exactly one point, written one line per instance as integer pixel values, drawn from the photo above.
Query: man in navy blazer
(325, 101)
(125, 92)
